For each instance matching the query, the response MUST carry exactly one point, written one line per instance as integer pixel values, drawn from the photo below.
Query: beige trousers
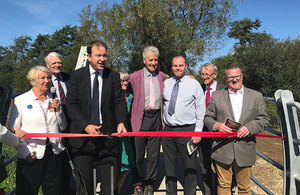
(242, 175)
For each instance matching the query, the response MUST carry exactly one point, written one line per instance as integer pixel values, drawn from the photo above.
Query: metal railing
(286, 107)
(266, 158)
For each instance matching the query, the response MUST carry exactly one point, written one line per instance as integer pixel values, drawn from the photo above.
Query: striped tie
(61, 92)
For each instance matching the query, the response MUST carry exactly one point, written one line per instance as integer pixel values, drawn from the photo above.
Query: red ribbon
(148, 134)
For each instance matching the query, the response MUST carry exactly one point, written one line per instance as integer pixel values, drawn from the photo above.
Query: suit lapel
(105, 86)
(246, 99)
(86, 86)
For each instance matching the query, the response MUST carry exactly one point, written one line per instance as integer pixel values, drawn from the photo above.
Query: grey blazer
(253, 116)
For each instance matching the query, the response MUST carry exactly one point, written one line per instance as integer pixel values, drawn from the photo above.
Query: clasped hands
(241, 133)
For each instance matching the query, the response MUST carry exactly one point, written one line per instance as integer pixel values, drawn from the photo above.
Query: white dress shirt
(55, 84)
(100, 82)
(236, 100)
(33, 116)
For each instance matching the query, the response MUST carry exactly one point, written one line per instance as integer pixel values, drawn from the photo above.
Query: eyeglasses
(234, 77)
(207, 75)
(124, 80)
(53, 63)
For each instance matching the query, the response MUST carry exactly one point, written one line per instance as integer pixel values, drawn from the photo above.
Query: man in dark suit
(60, 80)
(209, 73)
(235, 154)
(96, 105)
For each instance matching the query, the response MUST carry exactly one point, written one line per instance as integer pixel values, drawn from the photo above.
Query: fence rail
(290, 128)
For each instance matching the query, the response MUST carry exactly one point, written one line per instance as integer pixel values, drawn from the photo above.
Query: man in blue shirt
(184, 109)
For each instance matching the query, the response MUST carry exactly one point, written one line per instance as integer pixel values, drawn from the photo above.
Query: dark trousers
(209, 177)
(46, 172)
(68, 183)
(97, 151)
(172, 146)
(151, 122)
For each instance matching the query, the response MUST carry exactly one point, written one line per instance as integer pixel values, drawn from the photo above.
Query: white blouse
(34, 116)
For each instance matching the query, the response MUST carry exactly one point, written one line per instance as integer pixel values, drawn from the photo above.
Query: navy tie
(173, 98)
(95, 102)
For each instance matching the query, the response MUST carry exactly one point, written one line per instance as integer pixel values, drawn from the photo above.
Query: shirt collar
(181, 79)
(59, 77)
(212, 87)
(33, 97)
(149, 73)
(92, 71)
(241, 91)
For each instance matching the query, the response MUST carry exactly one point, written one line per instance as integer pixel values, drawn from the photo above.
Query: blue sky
(31, 17)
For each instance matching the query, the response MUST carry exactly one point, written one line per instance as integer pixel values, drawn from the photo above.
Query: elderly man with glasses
(209, 73)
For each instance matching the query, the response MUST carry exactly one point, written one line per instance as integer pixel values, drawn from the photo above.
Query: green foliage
(242, 30)
(268, 63)
(187, 28)
(18, 58)
(7, 152)
(272, 112)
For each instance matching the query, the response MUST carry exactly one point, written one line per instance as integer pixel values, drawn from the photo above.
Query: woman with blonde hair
(36, 112)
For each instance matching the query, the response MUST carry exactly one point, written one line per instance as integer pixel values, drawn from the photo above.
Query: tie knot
(177, 80)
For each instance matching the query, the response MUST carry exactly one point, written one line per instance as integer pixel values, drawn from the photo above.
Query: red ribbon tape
(148, 134)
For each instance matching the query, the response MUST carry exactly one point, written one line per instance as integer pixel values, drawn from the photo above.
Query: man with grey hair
(209, 73)
(59, 80)
(147, 85)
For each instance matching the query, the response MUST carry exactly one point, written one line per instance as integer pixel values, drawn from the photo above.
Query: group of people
(96, 100)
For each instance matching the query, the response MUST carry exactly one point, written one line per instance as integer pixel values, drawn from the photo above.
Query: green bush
(7, 152)
(274, 118)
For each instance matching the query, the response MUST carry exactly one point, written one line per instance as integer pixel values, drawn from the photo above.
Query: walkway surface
(160, 187)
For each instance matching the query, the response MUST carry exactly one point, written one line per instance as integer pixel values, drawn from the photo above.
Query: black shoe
(148, 190)
(138, 190)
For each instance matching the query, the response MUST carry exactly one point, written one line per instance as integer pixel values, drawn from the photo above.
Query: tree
(243, 31)
(268, 63)
(18, 58)
(187, 28)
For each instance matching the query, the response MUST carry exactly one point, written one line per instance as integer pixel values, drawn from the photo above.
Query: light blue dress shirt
(190, 103)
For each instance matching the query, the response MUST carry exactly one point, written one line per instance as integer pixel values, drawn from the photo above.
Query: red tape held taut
(148, 134)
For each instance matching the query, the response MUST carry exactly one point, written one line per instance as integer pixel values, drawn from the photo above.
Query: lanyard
(45, 115)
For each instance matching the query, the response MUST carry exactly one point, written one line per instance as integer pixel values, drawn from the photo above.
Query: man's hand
(31, 157)
(222, 128)
(93, 129)
(20, 133)
(121, 128)
(196, 140)
(243, 132)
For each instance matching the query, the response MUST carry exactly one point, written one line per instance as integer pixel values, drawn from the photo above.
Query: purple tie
(173, 98)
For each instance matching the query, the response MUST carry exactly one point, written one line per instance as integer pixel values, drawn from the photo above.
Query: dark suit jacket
(65, 78)
(253, 116)
(219, 86)
(113, 108)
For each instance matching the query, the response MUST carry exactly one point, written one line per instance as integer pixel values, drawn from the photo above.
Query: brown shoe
(138, 190)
